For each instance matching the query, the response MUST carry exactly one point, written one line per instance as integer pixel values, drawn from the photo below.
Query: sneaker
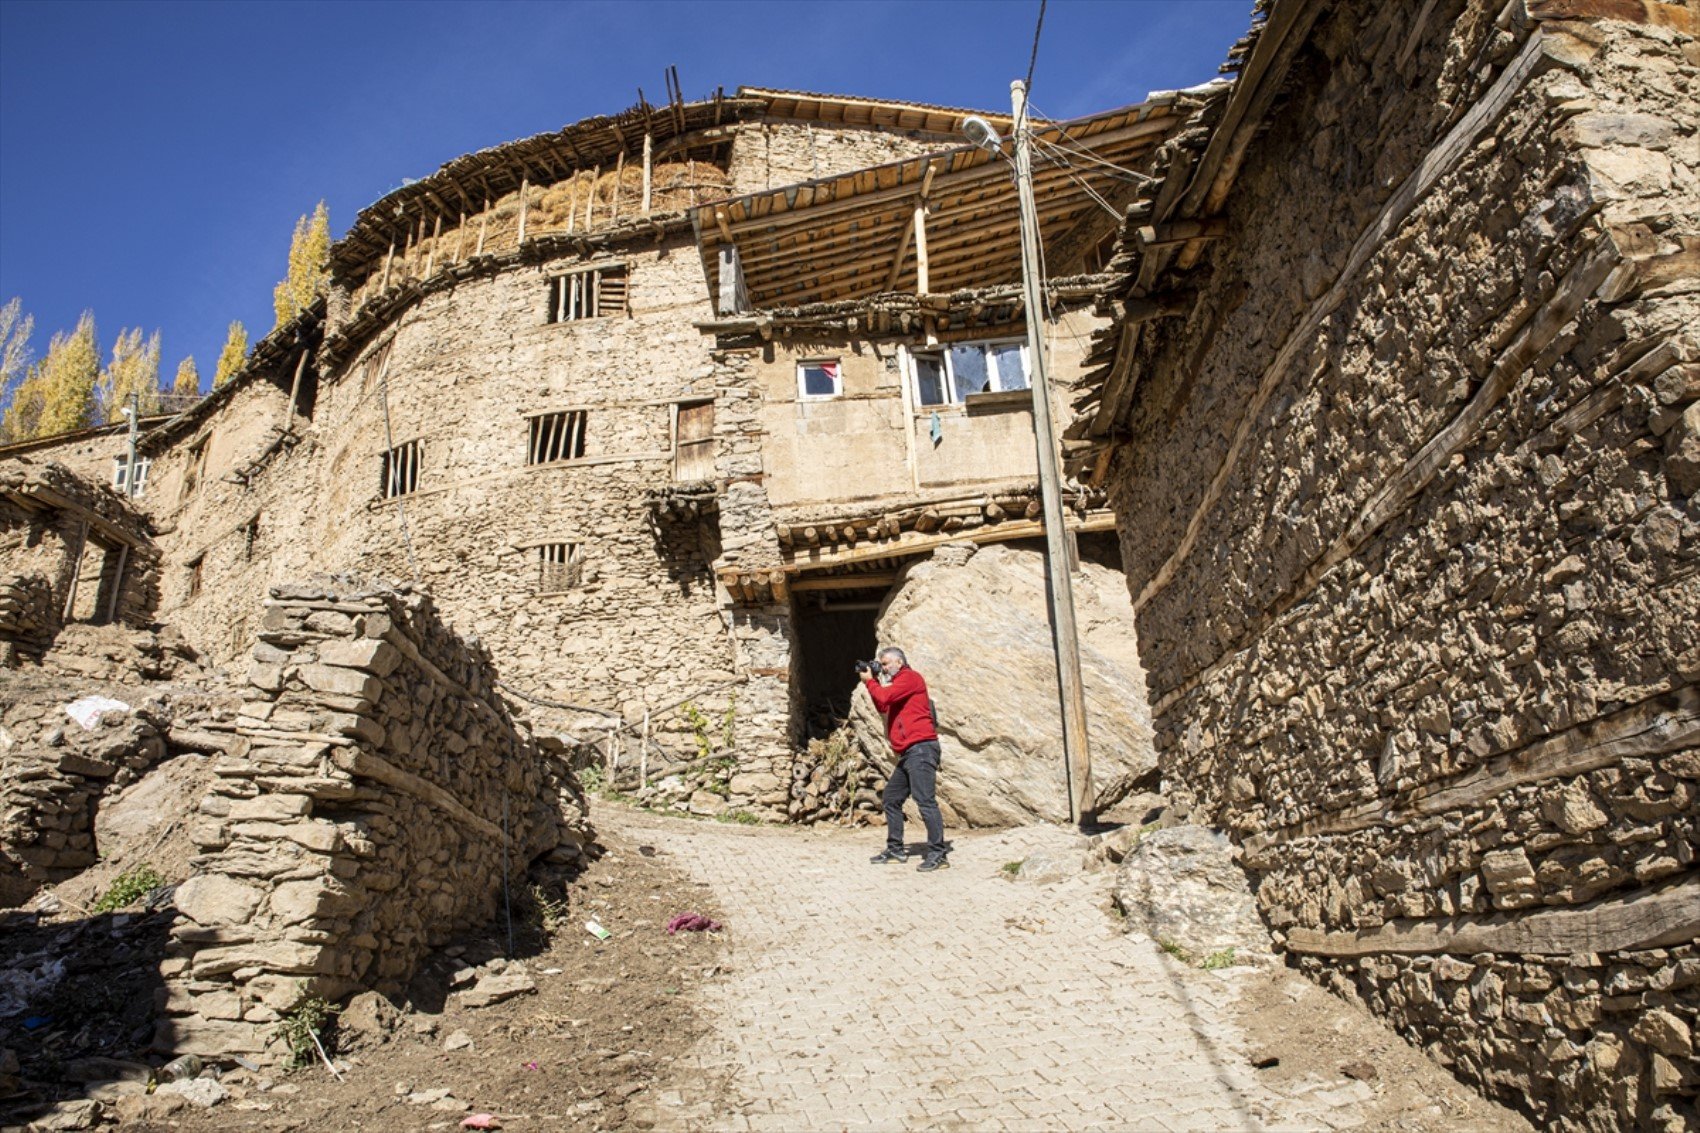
(889, 857)
(932, 862)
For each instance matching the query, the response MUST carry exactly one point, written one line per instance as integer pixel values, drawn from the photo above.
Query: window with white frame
(819, 378)
(949, 375)
(121, 475)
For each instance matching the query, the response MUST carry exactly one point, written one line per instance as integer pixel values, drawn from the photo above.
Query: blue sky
(155, 156)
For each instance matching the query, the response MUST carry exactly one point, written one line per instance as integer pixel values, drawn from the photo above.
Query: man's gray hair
(894, 651)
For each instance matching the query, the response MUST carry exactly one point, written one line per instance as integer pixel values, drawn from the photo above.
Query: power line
(1034, 57)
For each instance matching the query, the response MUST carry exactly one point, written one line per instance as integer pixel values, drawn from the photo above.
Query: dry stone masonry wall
(1408, 512)
(379, 793)
(71, 549)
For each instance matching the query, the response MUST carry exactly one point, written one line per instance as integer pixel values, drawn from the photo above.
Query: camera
(871, 668)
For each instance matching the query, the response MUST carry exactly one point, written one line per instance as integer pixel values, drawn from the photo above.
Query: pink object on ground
(482, 1121)
(691, 922)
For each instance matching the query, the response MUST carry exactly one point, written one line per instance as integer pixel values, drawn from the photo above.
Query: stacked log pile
(377, 791)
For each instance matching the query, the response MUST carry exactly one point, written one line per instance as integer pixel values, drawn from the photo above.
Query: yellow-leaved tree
(22, 399)
(68, 375)
(235, 352)
(133, 372)
(187, 383)
(309, 260)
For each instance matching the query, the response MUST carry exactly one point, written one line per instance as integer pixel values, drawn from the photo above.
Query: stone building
(655, 405)
(1398, 418)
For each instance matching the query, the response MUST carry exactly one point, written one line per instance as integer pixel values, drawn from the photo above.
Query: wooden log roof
(679, 128)
(1167, 229)
(849, 236)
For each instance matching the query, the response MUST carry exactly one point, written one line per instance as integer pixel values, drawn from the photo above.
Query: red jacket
(907, 707)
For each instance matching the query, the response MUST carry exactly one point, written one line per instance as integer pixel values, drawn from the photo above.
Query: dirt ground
(603, 1029)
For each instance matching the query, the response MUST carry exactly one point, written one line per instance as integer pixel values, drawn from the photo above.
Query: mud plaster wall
(377, 790)
(853, 447)
(1456, 733)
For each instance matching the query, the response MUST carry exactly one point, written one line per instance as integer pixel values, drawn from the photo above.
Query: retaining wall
(379, 792)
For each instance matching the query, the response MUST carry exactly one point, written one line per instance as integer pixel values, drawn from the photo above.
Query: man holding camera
(910, 728)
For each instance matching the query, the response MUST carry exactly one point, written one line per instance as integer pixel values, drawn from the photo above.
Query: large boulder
(976, 625)
(1182, 888)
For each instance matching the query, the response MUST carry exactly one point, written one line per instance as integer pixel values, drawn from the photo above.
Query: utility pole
(133, 411)
(1077, 755)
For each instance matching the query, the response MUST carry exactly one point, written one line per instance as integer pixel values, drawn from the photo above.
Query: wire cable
(1033, 59)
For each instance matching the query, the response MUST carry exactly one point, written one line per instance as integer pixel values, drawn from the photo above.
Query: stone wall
(1407, 508)
(70, 550)
(379, 792)
(55, 773)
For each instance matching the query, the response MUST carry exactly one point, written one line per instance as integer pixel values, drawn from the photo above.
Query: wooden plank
(524, 186)
(1646, 919)
(914, 546)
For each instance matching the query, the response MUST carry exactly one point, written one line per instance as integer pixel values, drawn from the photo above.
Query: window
(951, 374)
(590, 293)
(693, 442)
(195, 574)
(559, 567)
(400, 474)
(556, 436)
(196, 466)
(819, 379)
(121, 478)
(375, 363)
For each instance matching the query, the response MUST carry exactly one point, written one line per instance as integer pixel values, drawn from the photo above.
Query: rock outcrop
(1182, 888)
(975, 624)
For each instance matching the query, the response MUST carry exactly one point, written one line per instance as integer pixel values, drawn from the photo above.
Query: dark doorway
(835, 629)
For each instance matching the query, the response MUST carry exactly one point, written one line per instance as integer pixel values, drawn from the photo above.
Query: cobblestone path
(863, 997)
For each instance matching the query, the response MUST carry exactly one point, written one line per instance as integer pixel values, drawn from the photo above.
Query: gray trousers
(916, 776)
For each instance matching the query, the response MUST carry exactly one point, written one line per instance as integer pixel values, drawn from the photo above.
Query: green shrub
(128, 888)
(302, 1025)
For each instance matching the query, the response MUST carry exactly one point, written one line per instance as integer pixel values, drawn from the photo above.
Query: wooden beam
(1179, 232)
(648, 163)
(904, 548)
(979, 168)
(524, 185)
(922, 280)
(1661, 725)
(1646, 919)
(803, 584)
(902, 254)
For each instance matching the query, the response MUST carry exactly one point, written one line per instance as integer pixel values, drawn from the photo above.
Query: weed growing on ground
(1012, 868)
(128, 888)
(1174, 950)
(740, 818)
(1222, 959)
(301, 1027)
(551, 910)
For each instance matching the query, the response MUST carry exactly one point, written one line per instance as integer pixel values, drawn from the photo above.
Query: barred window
(556, 436)
(590, 293)
(400, 473)
(560, 567)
